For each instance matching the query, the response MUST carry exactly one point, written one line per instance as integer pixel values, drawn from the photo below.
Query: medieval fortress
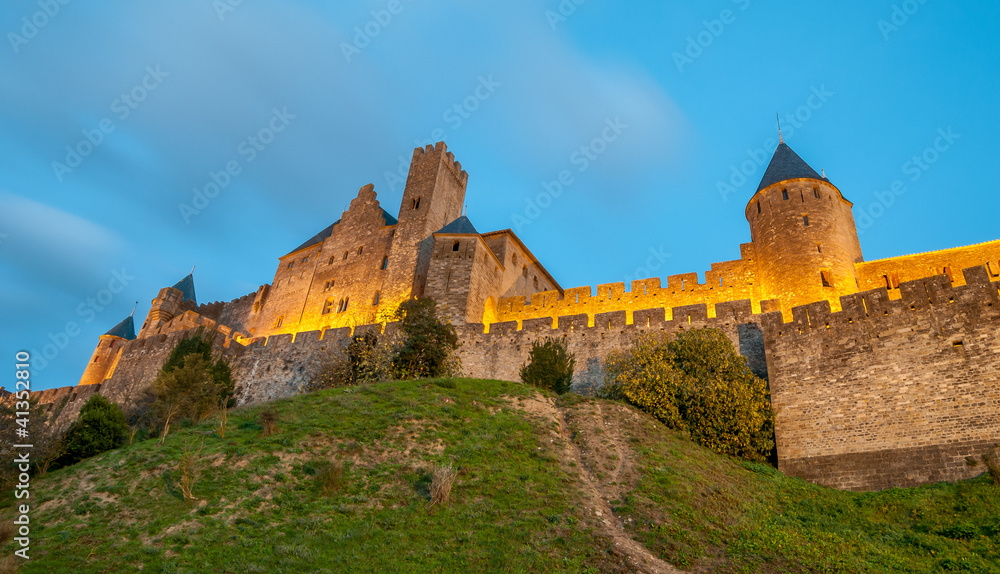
(882, 373)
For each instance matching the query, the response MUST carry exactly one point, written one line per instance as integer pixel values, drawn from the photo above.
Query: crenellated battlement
(448, 158)
(874, 309)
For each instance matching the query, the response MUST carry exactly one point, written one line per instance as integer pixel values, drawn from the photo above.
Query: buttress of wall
(334, 283)
(726, 282)
(463, 273)
(889, 273)
(888, 393)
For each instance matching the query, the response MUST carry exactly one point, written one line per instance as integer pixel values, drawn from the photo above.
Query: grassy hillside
(544, 485)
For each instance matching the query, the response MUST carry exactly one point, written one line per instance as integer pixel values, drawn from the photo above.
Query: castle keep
(882, 373)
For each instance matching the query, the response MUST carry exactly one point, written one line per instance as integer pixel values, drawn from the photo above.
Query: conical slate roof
(125, 329)
(786, 164)
(462, 225)
(186, 286)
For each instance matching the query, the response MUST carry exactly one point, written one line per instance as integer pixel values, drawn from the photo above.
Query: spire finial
(824, 173)
(134, 308)
(780, 138)
(192, 270)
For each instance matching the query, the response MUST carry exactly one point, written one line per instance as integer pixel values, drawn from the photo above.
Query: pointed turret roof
(186, 286)
(786, 164)
(125, 329)
(462, 225)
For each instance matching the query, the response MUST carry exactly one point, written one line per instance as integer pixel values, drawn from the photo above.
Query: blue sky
(670, 100)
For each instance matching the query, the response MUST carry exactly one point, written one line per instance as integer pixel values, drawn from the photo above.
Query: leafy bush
(429, 344)
(100, 427)
(366, 359)
(696, 382)
(549, 366)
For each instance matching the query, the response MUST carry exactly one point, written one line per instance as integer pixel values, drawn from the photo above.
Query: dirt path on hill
(598, 451)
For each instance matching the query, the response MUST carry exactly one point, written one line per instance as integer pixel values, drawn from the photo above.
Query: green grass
(703, 512)
(343, 486)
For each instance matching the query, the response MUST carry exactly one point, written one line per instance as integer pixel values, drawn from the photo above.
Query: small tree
(549, 366)
(189, 386)
(100, 427)
(696, 382)
(428, 348)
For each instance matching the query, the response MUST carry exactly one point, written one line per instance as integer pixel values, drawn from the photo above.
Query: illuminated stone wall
(889, 273)
(888, 392)
(726, 282)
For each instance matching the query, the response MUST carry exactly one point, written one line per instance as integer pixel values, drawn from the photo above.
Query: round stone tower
(105, 355)
(169, 303)
(805, 238)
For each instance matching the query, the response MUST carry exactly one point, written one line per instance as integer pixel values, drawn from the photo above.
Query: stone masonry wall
(888, 392)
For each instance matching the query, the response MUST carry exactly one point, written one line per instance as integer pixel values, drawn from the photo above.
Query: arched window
(784, 194)
(332, 259)
(328, 306)
(385, 263)
(361, 250)
(345, 256)
(378, 296)
(346, 301)
(416, 203)
(456, 246)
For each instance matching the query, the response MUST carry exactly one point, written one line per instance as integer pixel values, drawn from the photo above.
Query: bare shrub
(330, 478)
(8, 565)
(6, 530)
(269, 420)
(223, 417)
(187, 467)
(441, 482)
